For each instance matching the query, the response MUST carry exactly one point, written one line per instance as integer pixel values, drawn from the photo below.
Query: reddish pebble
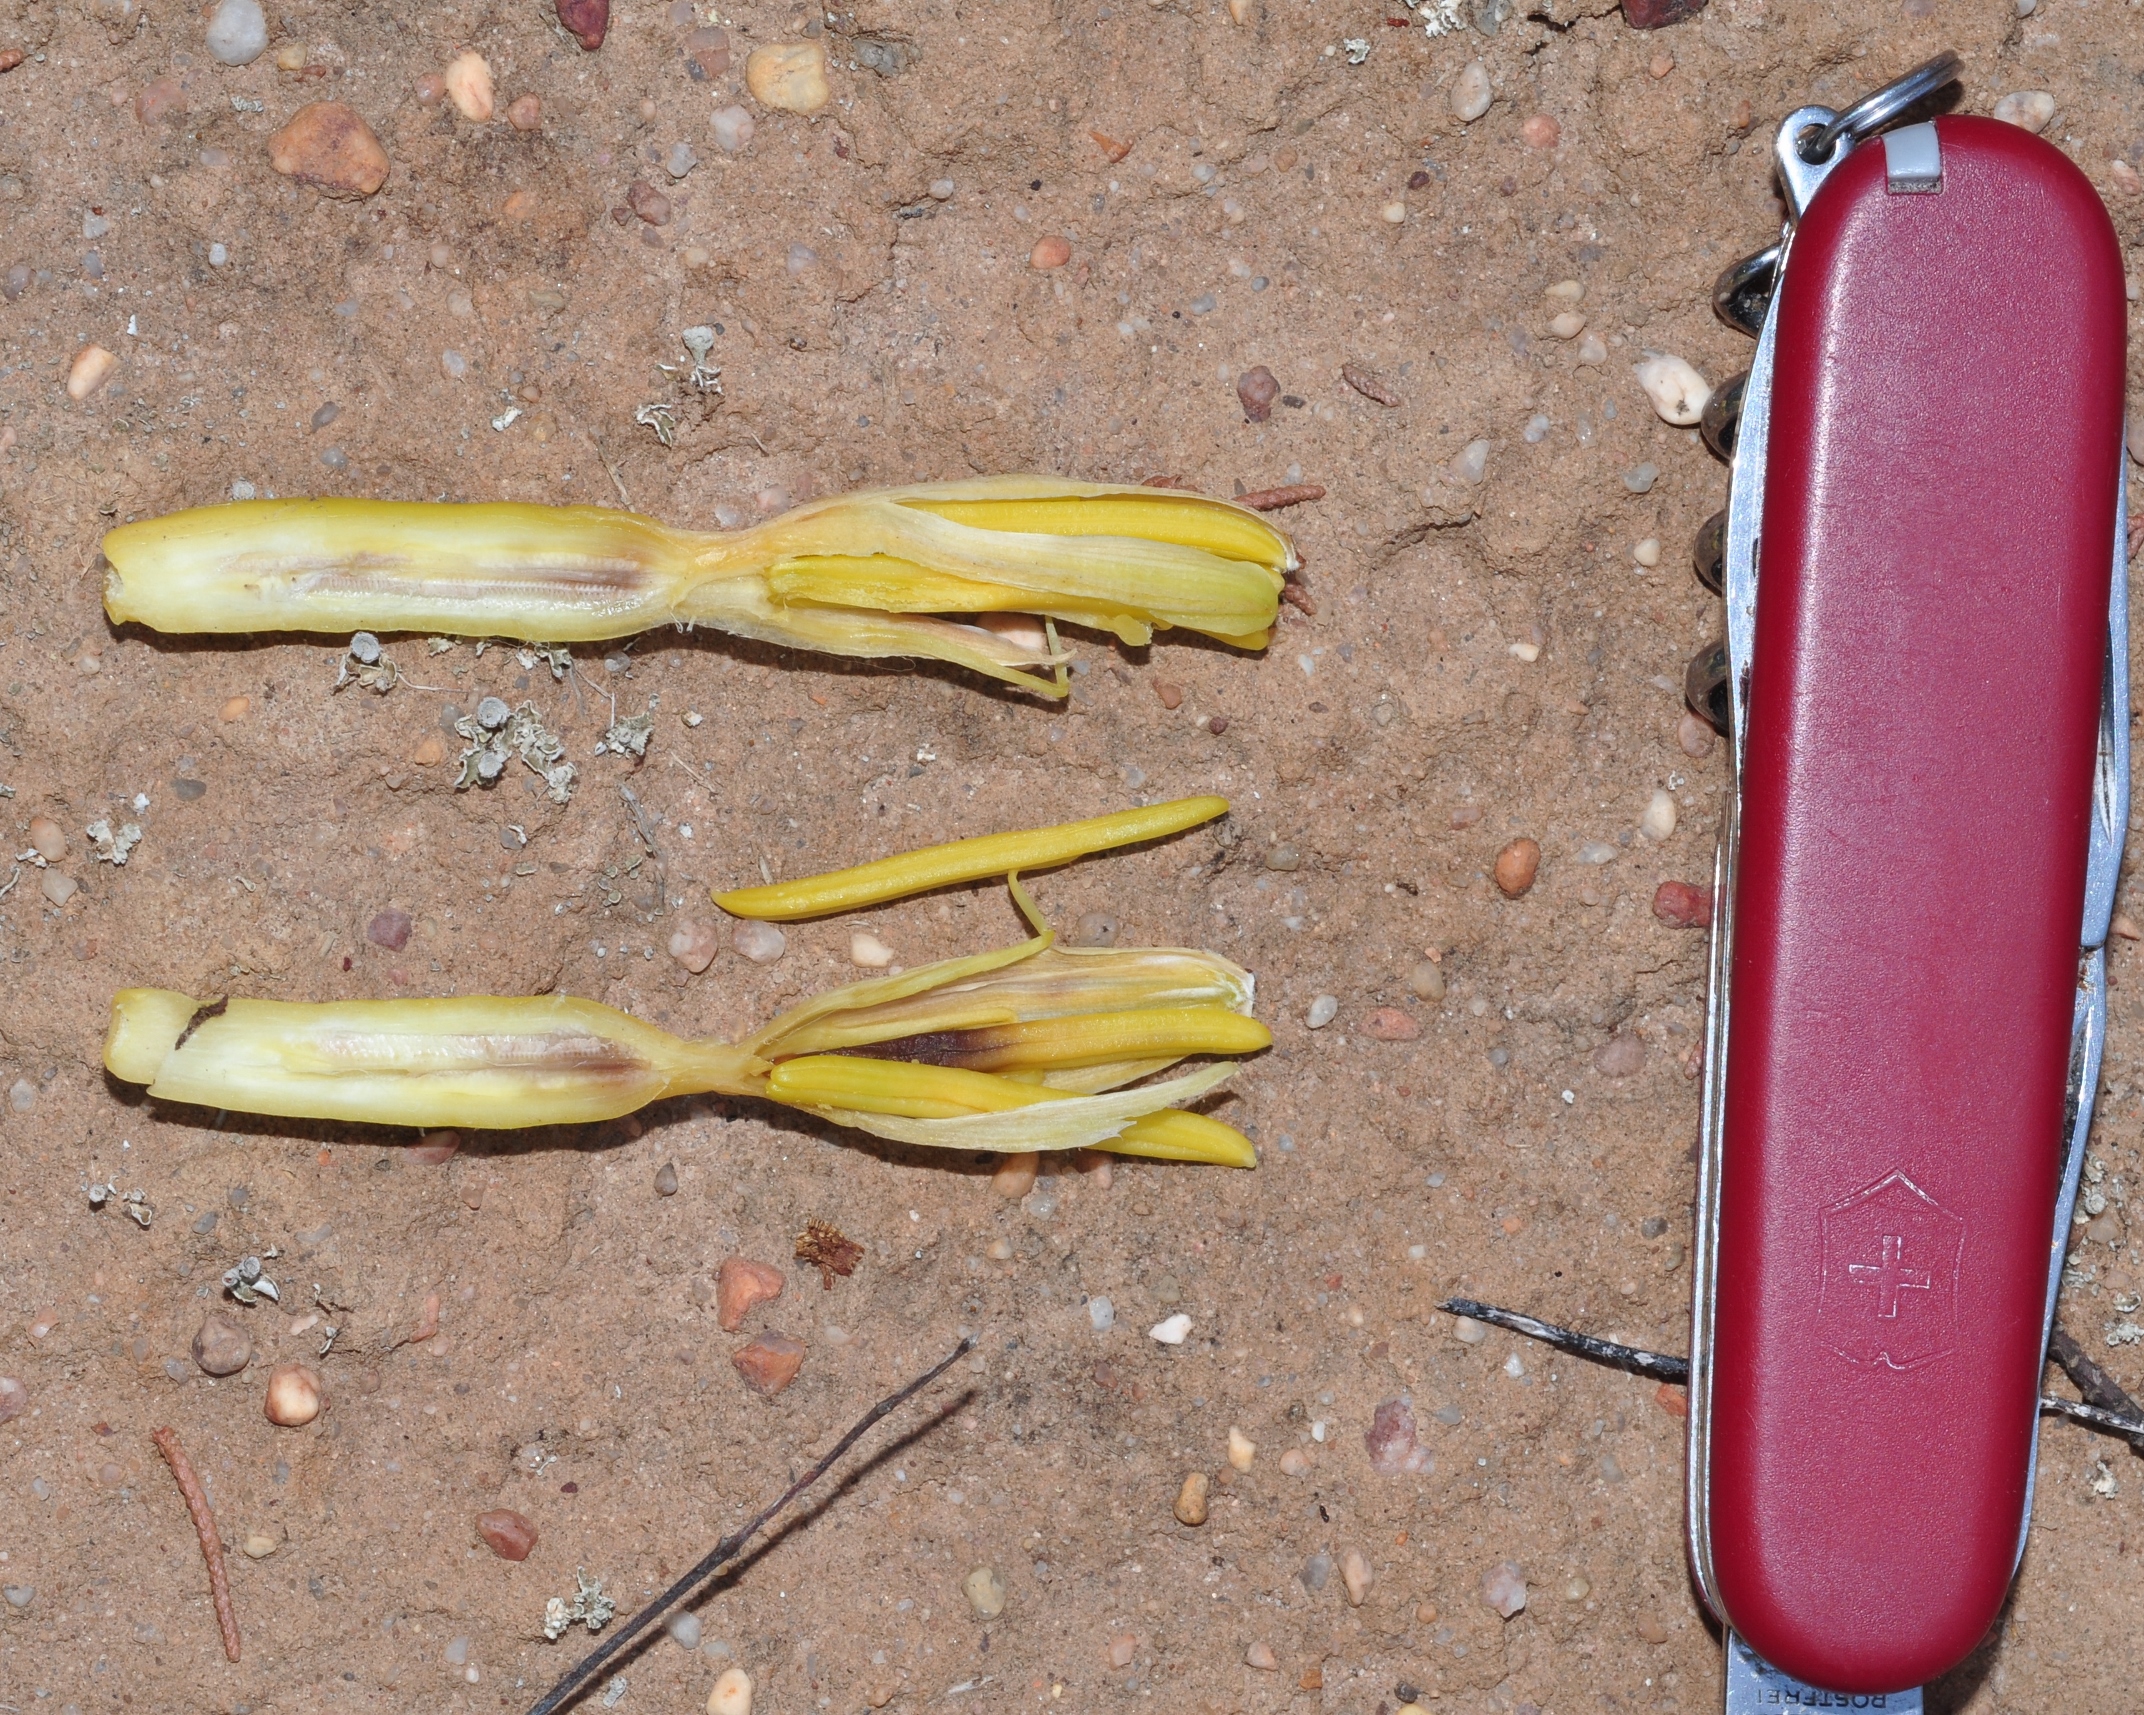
(1391, 1441)
(740, 1287)
(1172, 696)
(1659, 14)
(430, 89)
(328, 146)
(770, 1363)
(1255, 391)
(525, 113)
(10, 58)
(648, 202)
(1052, 251)
(160, 99)
(1541, 132)
(1517, 865)
(1683, 906)
(1390, 1024)
(694, 945)
(585, 21)
(1672, 1400)
(294, 1397)
(707, 54)
(506, 1533)
(390, 929)
(1693, 736)
(1217, 724)
(434, 1147)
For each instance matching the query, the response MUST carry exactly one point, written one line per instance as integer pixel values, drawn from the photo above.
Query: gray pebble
(326, 414)
(237, 32)
(666, 1186)
(1653, 1226)
(1095, 929)
(680, 161)
(207, 1223)
(941, 190)
(218, 255)
(1284, 857)
(492, 713)
(1639, 479)
(335, 459)
(239, 1196)
(1316, 1571)
(1202, 305)
(685, 1628)
(365, 649)
(19, 1595)
(1323, 1011)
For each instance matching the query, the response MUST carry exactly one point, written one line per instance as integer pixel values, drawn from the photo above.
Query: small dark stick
(578, 1678)
(196, 1498)
(1658, 1365)
(2100, 1390)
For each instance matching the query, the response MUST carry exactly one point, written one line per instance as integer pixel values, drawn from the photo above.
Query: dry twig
(1273, 499)
(219, 1585)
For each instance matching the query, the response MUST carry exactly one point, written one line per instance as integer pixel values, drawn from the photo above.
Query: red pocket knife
(1925, 684)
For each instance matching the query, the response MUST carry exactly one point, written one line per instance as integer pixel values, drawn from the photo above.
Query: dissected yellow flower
(1031, 1047)
(885, 572)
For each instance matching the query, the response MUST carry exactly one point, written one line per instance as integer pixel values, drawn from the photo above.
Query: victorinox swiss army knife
(1925, 689)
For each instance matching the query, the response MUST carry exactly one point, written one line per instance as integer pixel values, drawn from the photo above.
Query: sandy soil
(1397, 738)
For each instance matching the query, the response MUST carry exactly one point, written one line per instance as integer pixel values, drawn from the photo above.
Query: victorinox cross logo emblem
(1890, 1284)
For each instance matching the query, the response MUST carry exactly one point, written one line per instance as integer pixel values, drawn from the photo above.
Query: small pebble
(1592, 351)
(732, 1694)
(1260, 1655)
(58, 888)
(789, 75)
(1651, 1630)
(1471, 93)
(1541, 132)
(435, 1148)
(1621, 1056)
(390, 929)
(1356, 1577)
(867, 950)
(741, 1286)
(469, 87)
(1658, 822)
(1471, 466)
(1171, 695)
(685, 1628)
(769, 1363)
(1317, 1572)
(941, 190)
(328, 146)
(1015, 1176)
(430, 90)
(1294, 1463)
(221, 1347)
(1426, 981)
(1256, 390)
(1051, 251)
(1517, 865)
(1674, 386)
(680, 161)
(652, 206)
(1681, 905)
(22, 1094)
(160, 98)
(666, 1179)
(707, 53)
(258, 1544)
(1190, 1507)
(1577, 1587)
(19, 1595)
(1121, 1649)
(1469, 1331)
(506, 1533)
(985, 1589)
(1503, 1587)
(1323, 1010)
(1569, 324)
(1284, 858)
(525, 113)
(1391, 1024)
(48, 839)
(1693, 736)
(1393, 213)
(1392, 1441)
(1172, 1330)
(454, 364)
(694, 944)
(2028, 109)
(1101, 1315)
(1647, 552)
(237, 32)
(1095, 929)
(1639, 479)
(92, 367)
(294, 1397)
(1241, 1449)
(14, 1398)
(762, 943)
(290, 57)
(733, 127)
